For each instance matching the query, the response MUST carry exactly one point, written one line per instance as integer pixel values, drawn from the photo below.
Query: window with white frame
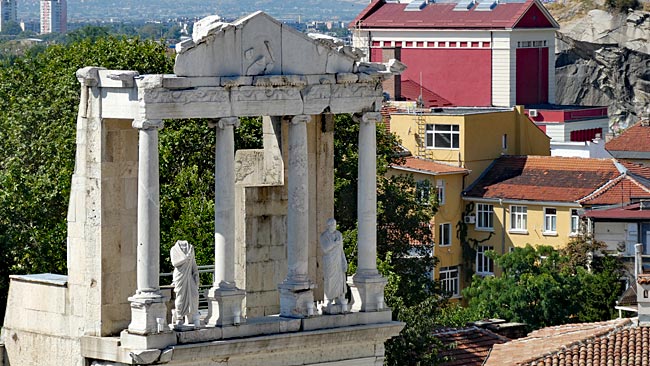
(440, 189)
(575, 221)
(443, 136)
(444, 234)
(484, 216)
(484, 265)
(450, 280)
(423, 191)
(550, 220)
(518, 218)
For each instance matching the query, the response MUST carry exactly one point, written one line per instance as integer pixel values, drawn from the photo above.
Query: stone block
(100, 348)
(371, 292)
(199, 335)
(2, 354)
(295, 303)
(151, 341)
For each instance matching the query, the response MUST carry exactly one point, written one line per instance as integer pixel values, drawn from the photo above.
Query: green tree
(39, 95)
(541, 286)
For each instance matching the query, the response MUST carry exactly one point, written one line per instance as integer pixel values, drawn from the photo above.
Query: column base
(296, 300)
(225, 307)
(371, 291)
(148, 314)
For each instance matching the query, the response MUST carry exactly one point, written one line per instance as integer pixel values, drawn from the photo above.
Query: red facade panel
(534, 18)
(376, 55)
(463, 77)
(532, 75)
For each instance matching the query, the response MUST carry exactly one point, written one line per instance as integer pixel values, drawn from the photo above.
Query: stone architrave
(334, 268)
(186, 284)
(367, 279)
(148, 308)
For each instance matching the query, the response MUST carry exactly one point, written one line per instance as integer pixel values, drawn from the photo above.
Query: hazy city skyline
(152, 10)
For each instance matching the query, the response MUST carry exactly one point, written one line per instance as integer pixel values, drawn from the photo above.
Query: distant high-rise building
(7, 12)
(54, 16)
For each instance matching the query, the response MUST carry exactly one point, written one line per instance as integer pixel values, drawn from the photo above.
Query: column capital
(224, 122)
(300, 118)
(371, 117)
(148, 124)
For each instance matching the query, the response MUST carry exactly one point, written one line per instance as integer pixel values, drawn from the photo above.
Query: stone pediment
(258, 45)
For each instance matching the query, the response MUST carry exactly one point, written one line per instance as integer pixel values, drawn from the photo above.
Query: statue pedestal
(296, 300)
(148, 314)
(371, 291)
(225, 306)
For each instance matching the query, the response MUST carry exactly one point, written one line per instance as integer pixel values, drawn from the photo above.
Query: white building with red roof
(471, 53)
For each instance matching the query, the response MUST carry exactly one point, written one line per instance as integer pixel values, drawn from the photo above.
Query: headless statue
(334, 265)
(186, 284)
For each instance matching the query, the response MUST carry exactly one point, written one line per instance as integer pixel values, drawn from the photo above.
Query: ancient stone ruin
(270, 207)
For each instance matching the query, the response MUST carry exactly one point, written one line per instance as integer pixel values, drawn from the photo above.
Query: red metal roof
(411, 91)
(635, 138)
(629, 212)
(379, 14)
(429, 166)
(543, 178)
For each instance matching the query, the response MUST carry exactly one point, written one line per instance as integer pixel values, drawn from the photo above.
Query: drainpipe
(503, 230)
(638, 261)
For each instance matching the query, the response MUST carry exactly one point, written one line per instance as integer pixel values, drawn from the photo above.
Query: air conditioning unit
(470, 219)
(532, 112)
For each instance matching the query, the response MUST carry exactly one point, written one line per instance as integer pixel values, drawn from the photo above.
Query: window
(550, 220)
(575, 221)
(444, 234)
(423, 191)
(484, 265)
(440, 191)
(504, 142)
(484, 214)
(449, 279)
(443, 136)
(518, 218)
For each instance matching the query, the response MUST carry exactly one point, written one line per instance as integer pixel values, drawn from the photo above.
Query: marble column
(147, 305)
(296, 296)
(367, 279)
(225, 306)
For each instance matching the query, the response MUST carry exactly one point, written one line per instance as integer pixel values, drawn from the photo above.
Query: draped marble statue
(186, 284)
(334, 267)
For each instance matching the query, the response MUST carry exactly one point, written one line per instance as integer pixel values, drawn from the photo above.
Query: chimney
(393, 86)
(642, 288)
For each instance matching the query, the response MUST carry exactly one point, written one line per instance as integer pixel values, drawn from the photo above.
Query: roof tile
(429, 166)
(467, 346)
(635, 138)
(543, 178)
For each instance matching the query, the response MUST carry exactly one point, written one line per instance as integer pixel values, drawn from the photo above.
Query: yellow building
(536, 200)
(446, 181)
(469, 137)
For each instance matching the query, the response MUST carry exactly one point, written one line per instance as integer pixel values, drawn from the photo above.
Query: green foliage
(542, 286)
(468, 244)
(39, 95)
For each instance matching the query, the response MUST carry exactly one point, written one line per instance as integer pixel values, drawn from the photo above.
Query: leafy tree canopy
(541, 286)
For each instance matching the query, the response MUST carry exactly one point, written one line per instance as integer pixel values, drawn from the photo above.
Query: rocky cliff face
(604, 59)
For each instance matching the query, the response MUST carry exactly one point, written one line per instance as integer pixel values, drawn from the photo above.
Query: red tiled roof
(429, 166)
(635, 138)
(576, 344)
(411, 91)
(379, 14)
(469, 346)
(629, 212)
(543, 178)
(618, 191)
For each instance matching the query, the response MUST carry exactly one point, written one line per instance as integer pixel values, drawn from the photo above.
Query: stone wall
(261, 228)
